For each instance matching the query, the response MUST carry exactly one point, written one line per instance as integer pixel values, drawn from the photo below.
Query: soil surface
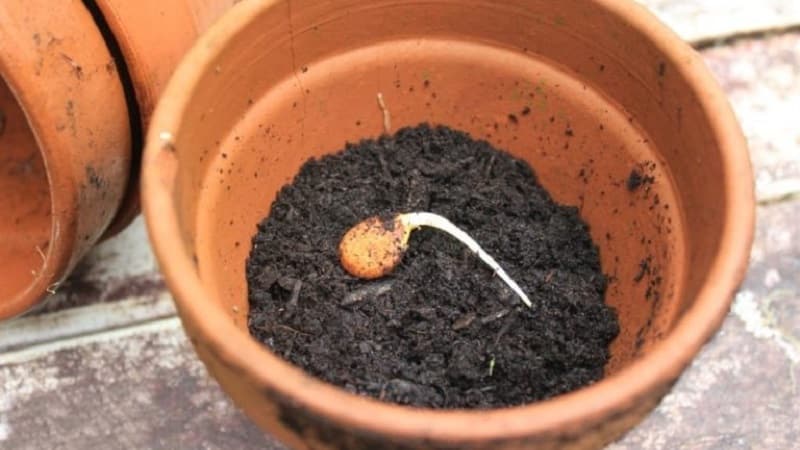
(440, 331)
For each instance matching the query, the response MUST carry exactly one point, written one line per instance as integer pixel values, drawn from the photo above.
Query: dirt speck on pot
(440, 330)
(644, 269)
(638, 178)
(95, 180)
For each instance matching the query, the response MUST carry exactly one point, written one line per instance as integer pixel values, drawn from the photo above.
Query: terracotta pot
(151, 37)
(64, 160)
(81, 80)
(603, 98)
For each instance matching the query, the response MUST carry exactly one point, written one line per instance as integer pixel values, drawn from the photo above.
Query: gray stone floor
(105, 363)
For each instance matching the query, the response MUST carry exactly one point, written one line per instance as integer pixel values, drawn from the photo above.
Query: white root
(41, 254)
(53, 288)
(415, 220)
(387, 117)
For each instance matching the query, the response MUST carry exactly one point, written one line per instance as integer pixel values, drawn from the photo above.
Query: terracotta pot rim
(618, 392)
(124, 56)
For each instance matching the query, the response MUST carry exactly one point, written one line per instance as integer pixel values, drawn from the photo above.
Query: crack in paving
(760, 321)
(779, 191)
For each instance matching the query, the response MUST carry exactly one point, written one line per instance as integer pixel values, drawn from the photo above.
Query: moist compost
(440, 331)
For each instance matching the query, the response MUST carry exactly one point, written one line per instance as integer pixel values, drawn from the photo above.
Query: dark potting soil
(440, 331)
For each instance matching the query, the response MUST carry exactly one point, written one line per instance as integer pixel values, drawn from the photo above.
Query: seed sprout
(374, 247)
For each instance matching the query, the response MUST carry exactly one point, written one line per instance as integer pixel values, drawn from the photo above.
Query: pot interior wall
(570, 88)
(25, 211)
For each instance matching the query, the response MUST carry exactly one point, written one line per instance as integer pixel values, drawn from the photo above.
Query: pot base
(586, 150)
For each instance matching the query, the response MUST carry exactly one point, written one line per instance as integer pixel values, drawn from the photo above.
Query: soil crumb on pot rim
(440, 331)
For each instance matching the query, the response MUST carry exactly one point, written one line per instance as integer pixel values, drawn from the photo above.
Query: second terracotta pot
(617, 116)
(78, 82)
(150, 37)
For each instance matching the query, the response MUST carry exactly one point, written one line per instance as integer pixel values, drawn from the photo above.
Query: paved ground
(105, 364)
